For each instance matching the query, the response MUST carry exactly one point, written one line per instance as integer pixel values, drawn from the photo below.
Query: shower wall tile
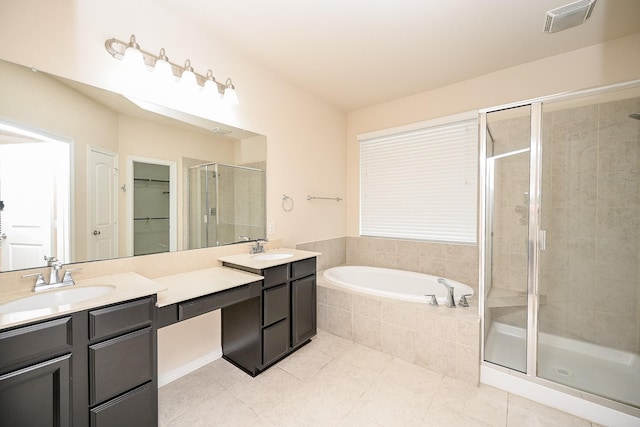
(593, 225)
(619, 154)
(614, 118)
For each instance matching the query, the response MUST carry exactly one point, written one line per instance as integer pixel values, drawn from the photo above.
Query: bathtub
(397, 284)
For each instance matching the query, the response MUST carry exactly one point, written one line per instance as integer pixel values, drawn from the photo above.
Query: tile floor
(335, 382)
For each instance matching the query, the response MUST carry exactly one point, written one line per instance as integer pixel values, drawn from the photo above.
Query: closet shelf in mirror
(150, 218)
(151, 180)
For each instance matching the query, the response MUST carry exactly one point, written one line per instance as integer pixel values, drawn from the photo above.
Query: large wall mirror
(86, 174)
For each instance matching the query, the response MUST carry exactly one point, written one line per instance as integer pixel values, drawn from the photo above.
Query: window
(421, 182)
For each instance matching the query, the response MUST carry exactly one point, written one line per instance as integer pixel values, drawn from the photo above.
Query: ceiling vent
(568, 16)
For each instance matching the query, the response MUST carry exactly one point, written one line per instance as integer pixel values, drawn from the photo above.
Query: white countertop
(248, 260)
(126, 286)
(185, 286)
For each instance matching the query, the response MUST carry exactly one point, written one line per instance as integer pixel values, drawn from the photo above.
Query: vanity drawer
(120, 318)
(275, 275)
(135, 408)
(303, 268)
(120, 364)
(198, 306)
(17, 345)
(275, 304)
(275, 341)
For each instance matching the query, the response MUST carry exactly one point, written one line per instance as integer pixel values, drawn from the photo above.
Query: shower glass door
(589, 279)
(508, 141)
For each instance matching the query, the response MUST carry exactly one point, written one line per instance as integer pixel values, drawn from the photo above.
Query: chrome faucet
(451, 303)
(54, 276)
(258, 246)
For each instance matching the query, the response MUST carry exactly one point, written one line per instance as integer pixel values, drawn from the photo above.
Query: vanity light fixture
(230, 96)
(160, 65)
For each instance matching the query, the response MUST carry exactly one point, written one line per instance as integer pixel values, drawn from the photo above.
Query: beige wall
(598, 65)
(42, 109)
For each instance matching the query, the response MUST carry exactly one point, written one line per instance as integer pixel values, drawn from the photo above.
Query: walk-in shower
(226, 204)
(560, 242)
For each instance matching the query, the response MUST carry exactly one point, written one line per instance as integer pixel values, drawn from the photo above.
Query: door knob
(96, 233)
(3, 236)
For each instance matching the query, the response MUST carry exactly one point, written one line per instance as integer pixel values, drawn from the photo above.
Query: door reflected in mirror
(82, 205)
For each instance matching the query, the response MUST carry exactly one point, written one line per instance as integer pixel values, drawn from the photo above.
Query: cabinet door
(303, 310)
(39, 395)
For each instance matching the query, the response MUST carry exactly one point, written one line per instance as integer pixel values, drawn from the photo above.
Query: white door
(27, 191)
(103, 205)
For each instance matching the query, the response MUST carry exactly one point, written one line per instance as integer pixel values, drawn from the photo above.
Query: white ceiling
(357, 53)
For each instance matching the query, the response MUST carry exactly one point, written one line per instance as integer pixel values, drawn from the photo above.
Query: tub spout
(451, 303)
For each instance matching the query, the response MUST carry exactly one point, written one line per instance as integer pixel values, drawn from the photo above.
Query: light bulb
(188, 79)
(132, 55)
(162, 70)
(230, 97)
(211, 86)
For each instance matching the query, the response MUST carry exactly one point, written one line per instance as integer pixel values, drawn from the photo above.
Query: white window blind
(421, 184)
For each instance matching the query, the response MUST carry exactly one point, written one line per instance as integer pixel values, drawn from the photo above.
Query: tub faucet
(451, 303)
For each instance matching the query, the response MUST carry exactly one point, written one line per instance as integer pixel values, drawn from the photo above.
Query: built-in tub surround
(454, 261)
(444, 340)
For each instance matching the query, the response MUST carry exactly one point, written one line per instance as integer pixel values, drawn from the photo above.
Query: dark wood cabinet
(122, 364)
(303, 310)
(96, 368)
(287, 316)
(37, 395)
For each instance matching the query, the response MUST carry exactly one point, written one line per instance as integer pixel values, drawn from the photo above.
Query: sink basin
(271, 256)
(55, 298)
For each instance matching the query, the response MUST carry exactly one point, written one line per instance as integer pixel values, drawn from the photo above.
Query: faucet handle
(39, 278)
(67, 275)
(51, 260)
(434, 300)
(463, 300)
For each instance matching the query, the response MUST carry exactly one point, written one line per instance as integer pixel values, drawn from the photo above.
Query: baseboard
(183, 370)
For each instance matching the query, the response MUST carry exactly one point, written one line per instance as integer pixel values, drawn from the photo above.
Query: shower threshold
(596, 369)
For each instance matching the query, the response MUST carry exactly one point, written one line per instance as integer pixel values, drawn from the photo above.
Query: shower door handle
(543, 240)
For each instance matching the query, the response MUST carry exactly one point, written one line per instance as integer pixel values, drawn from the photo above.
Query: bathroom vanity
(92, 367)
(268, 306)
(94, 363)
(287, 310)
